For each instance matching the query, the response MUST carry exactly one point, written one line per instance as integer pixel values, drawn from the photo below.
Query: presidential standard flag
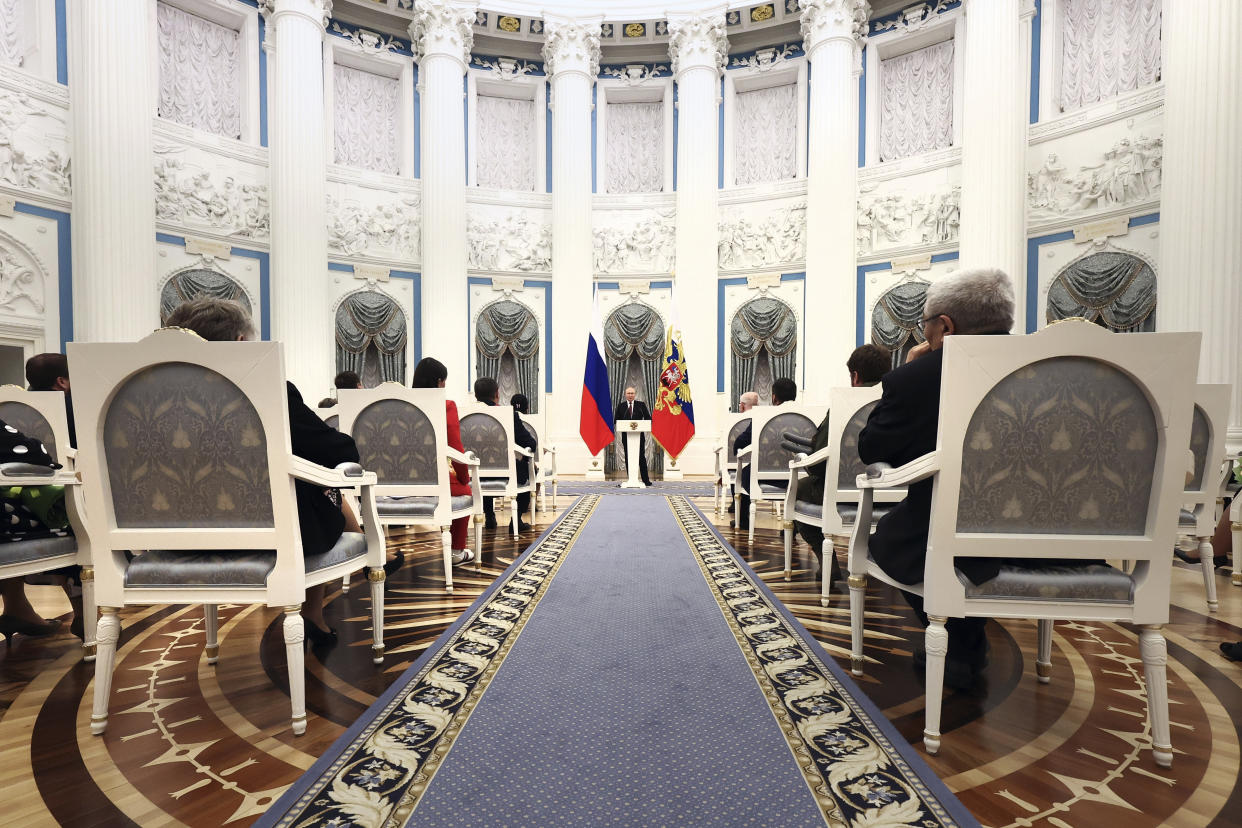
(595, 423)
(672, 423)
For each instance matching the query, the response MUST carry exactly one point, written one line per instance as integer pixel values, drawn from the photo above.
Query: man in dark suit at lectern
(632, 409)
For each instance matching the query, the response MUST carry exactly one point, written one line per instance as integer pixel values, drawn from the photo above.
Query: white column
(833, 32)
(993, 229)
(697, 46)
(1201, 200)
(114, 285)
(297, 165)
(571, 50)
(442, 37)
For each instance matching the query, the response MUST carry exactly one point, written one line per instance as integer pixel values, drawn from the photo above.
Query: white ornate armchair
(1066, 444)
(834, 514)
(185, 453)
(1203, 499)
(402, 437)
(765, 457)
(487, 432)
(545, 454)
(41, 415)
(726, 458)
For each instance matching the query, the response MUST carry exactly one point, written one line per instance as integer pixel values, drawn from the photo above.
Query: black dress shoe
(1232, 650)
(396, 563)
(490, 523)
(523, 526)
(318, 637)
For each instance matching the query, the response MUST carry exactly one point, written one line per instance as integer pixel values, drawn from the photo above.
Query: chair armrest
(743, 452)
(468, 458)
(29, 474)
(344, 476)
(794, 438)
(525, 452)
(884, 476)
(803, 460)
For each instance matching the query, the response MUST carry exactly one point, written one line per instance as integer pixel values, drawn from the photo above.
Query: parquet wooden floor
(197, 745)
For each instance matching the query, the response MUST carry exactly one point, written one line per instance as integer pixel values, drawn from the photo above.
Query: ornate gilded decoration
(761, 13)
(635, 29)
(509, 24)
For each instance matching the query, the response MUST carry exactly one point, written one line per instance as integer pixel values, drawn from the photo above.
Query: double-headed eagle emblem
(674, 389)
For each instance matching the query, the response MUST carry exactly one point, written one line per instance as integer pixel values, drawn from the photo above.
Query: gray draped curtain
(634, 329)
(509, 326)
(762, 323)
(895, 320)
(191, 284)
(369, 319)
(1112, 289)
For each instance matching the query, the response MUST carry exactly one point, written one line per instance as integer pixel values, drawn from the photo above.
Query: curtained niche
(372, 336)
(1115, 289)
(634, 332)
(205, 280)
(894, 305)
(507, 339)
(763, 328)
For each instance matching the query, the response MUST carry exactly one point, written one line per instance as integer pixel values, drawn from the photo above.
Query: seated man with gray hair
(903, 427)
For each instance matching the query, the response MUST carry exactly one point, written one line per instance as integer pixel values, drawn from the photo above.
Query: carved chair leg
(513, 510)
(788, 533)
(295, 659)
(937, 644)
(478, 543)
(858, 592)
(827, 555)
(446, 550)
(1155, 658)
(750, 530)
(1208, 563)
(90, 614)
(376, 577)
(1043, 660)
(107, 635)
(211, 625)
(1236, 554)
(345, 585)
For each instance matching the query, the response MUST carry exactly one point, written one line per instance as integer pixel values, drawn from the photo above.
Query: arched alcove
(194, 282)
(896, 316)
(763, 339)
(506, 346)
(633, 347)
(371, 336)
(1115, 289)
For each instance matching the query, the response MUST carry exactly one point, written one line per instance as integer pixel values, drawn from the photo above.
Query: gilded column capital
(826, 20)
(315, 10)
(571, 46)
(697, 40)
(443, 27)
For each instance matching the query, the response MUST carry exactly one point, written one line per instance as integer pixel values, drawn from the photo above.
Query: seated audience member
(866, 366)
(487, 392)
(327, 402)
(783, 390)
(1222, 542)
(347, 380)
(745, 402)
(431, 373)
(903, 427)
(322, 514)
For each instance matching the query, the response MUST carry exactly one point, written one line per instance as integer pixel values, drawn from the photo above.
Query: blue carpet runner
(628, 669)
(660, 488)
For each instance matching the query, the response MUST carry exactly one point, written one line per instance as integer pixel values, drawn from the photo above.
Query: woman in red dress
(431, 373)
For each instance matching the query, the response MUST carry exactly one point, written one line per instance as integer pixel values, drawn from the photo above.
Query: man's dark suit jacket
(902, 428)
(641, 411)
(312, 439)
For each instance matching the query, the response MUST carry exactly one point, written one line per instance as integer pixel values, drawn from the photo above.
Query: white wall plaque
(759, 280)
(1099, 230)
(372, 273)
(208, 247)
(6, 206)
(912, 264)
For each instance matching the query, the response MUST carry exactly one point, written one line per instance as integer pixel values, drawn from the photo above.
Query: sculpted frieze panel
(628, 242)
(22, 279)
(1129, 172)
(33, 150)
(188, 195)
(507, 239)
(749, 238)
(889, 220)
(392, 229)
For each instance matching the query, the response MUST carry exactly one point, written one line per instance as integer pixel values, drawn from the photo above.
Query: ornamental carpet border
(859, 769)
(376, 772)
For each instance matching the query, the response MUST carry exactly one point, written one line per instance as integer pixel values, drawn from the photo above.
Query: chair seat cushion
(773, 488)
(1186, 519)
(1097, 583)
(227, 568)
(493, 485)
(418, 506)
(846, 509)
(26, 551)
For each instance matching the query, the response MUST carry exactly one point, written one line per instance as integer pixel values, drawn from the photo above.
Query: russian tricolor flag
(596, 424)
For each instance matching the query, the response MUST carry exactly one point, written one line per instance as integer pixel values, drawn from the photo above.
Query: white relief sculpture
(913, 18)
(365, 119)
(1129, 172)
(12, 33)
(765, 59)
(1107, 47)
(916, 102)
(646, 246)
(193, 197)
(635, 74)
(200, 72)
(21, 284)
(765, 135)
(571, 45)
(509, 242)
(634, 148)
(505, 69)
(896, 220)
(442, 27)
(775, 237)
(700, 39)
(25, 158)
(393, 229)
(366, 40)
(505, 143)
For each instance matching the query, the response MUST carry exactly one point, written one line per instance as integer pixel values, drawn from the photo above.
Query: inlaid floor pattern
(199, 745)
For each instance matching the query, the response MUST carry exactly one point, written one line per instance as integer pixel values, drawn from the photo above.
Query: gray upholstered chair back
(738, 427)
(1200, 441)
(334, 421)
(397, 442)
(533, 431)
(850, 464)
(185, 448)
(485, 436)
(771, 458)
(30, 422)
(1062, 446)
